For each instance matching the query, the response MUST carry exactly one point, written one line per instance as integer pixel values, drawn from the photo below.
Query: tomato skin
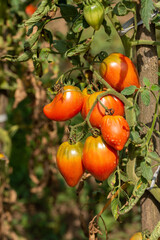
(65, 105)
(30, 9)
(69, 162)
(119, 71)
(94, 14)
(115, 131)
(136, 236)
(99, 158)
(85, 97)
(109, 101)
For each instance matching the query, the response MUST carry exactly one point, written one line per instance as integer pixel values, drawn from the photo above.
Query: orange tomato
(115, 131)
(99, 158)
(66, 104)
(109, 101)
(69, 162)
(30, 9)
(119, 71)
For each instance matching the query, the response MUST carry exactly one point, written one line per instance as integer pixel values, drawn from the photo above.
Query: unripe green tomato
(94, 14)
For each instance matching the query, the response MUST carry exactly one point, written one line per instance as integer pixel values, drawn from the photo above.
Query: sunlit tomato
(136, 236)
(111, 102)
(99, 158)
(94, 14)
(85, 97)
(115, 131)
(66, 104)
(30, 9)
(119, 71)
(69, 162)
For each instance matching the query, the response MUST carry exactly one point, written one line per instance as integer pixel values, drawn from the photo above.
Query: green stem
(99, 100)
(153, 122)
(156, 232)
(145, 42)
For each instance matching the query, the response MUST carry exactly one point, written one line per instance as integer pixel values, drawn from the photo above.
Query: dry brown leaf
(20, 93)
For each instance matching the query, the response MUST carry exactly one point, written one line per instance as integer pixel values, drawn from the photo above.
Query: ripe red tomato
(30, 9)
(115, 131)
(111, 102)
(69, 162)
(119, 71)
(99, 158)
(66, 104)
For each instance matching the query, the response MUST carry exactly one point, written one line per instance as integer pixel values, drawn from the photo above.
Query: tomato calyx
(95, 132)
(109, 111)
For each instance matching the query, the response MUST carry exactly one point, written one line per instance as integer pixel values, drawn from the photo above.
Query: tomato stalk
(74, 137)
(150, 132)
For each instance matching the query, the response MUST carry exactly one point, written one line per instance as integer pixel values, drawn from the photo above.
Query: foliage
(43, 55)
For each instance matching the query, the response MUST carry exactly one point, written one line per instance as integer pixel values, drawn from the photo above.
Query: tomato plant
(115, 131)
(69, 162)
(119, 71)
(119, 103)
(66, 104)
(94, 14)
(98, 158)
(112, 103)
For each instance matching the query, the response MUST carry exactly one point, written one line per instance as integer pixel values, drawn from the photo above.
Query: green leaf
(44, 7)
(60, 46)
(120, 9)
(115, 207)
(146, 82)
(145, 96)
(155, 87)
(146, 171)
(147, 8)
(79, 24)
(80, 48)
(129, 90)
(107, 28)
(135, 136)
(153, 155)
(69, 12)
(112, 180)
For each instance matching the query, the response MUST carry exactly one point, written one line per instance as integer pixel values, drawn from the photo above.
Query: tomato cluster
(99, 154)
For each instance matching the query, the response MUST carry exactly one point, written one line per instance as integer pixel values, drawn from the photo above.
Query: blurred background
(35, 202)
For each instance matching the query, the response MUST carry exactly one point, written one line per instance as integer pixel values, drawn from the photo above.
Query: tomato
(111, 102)
(69, 162)
(99, 158)
(119, 71)
(115, 131)
(136, 236)
(66, 104)
(85, 97)
(94, 14)
(30, 9)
